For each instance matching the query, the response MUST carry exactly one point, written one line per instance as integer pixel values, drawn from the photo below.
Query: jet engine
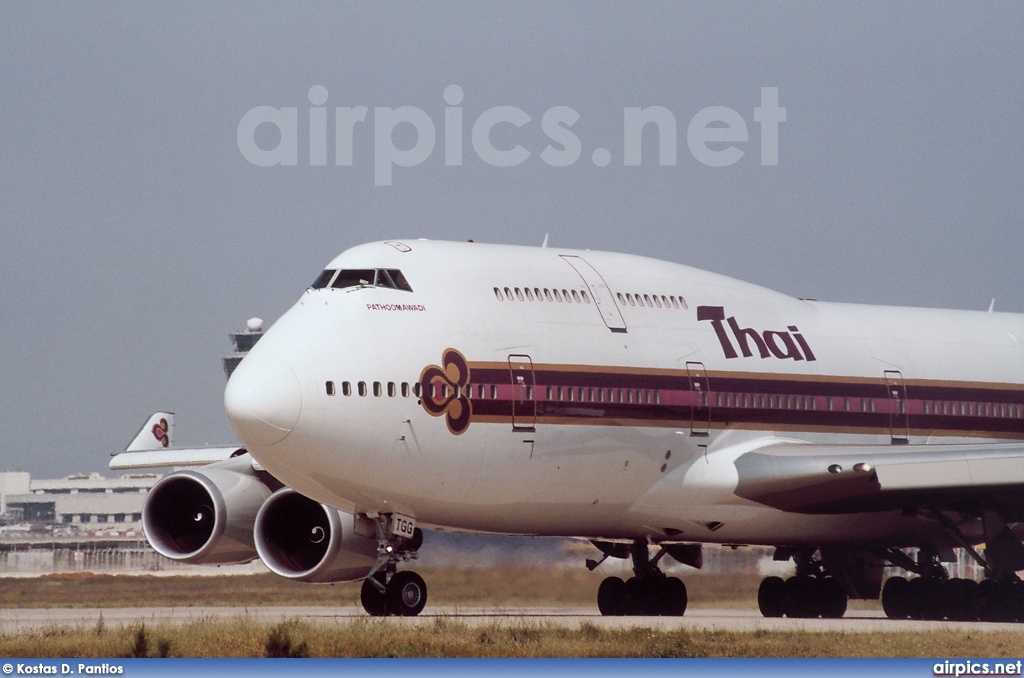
(207, 515)
(304, 540)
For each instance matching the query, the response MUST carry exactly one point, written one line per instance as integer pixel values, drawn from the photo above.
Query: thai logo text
(769, 343)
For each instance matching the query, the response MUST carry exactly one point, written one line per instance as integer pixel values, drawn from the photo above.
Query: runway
(13, 620)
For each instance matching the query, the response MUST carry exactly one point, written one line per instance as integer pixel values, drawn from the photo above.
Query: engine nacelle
(304, 540)
(207, 515)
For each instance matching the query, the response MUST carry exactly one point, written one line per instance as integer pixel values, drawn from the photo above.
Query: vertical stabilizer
(155, 435)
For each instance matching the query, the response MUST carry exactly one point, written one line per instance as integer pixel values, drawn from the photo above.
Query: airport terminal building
(78, 503)
(81, 522)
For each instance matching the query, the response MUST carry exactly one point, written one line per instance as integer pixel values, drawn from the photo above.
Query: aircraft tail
(155, 435)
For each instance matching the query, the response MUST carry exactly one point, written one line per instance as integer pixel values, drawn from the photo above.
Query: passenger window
(497, 294)
(405, 389)
(354, 278)
(362, 388)
(330, 388)
(324, 279)
(391, 389)
(346, 388)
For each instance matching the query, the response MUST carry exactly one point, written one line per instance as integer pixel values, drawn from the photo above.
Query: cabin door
(899, 420)
(700, 410)
(524, 405)
(599, 292)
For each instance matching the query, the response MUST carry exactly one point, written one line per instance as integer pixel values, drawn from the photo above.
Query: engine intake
(205, 516)
(304, 540)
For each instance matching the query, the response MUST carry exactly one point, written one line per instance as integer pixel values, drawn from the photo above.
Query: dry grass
(450, 638)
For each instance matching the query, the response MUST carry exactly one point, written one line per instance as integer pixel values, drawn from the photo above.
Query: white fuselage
(617, 409)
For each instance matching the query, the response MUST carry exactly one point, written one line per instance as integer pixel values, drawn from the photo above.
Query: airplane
(152, 448)
(637, 403)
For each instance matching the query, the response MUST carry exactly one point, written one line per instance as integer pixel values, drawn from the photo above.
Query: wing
(813, 478)
(173, 457)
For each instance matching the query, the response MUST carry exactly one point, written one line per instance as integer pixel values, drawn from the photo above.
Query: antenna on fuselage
(992, 306)
(545, 243)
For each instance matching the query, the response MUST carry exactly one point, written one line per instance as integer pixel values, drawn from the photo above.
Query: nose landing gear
(385, 591)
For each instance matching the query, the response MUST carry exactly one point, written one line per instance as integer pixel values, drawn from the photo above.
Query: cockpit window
(354, 278)
(324, 279)
(390, 278)
(393, 278)
(399, 279)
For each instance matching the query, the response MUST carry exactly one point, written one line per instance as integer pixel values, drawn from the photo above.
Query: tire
(833, 599)
(672, 592)
(796, 600)
(406, 594)
(633, 598)
(894, 598)
(374, 602)
(770, 597)
(611, 597)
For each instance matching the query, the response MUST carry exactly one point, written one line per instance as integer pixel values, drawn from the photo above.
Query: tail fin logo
(160, 432)
(442, 391)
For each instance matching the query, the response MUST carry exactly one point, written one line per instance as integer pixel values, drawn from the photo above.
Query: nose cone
(263, 400)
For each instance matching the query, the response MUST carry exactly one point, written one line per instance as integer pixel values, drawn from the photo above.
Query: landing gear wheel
(374, 601)
(833, 599)
(673, 599)
(611, 596)
(894, 598)
(770, 597)
(406, 594)
(797, 597)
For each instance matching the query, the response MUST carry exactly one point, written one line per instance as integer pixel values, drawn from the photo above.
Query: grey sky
(134, 235)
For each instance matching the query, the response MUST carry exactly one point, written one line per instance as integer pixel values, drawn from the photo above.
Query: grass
(445, 637)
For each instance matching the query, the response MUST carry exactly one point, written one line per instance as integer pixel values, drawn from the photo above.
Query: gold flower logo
(442, 391)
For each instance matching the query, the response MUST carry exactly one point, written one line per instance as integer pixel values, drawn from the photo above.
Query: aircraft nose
(263, 400)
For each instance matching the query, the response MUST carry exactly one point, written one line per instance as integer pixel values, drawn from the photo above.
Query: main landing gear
(811, 593)
(387, 592)
(649, 592)
(934, 596)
